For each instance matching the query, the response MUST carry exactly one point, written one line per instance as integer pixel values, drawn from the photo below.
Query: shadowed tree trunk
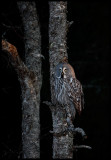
(31, 97)
(62, 142)
(31, 102)
(29, 74)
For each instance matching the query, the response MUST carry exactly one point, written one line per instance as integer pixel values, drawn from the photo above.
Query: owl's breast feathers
(75, 93)
(68, 90)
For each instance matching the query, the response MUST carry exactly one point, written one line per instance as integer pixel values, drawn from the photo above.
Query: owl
(67, 89)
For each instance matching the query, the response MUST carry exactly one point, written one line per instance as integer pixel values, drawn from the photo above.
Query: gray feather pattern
(68, 90)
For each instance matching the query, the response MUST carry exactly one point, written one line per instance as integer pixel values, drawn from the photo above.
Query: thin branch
(80, 131)
(82, 146)
(69, 23)
(62, 133)
(11, 26)
(48, 103)
(11, 49)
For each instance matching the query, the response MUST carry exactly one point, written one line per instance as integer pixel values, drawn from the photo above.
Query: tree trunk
(30, 78)
(62, 142)
(30, 104)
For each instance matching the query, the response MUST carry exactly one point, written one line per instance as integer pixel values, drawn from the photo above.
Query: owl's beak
(62, 74)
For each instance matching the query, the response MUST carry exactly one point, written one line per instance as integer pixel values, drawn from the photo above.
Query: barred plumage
(67, 89)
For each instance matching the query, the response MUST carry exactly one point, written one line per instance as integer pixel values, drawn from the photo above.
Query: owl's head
(64, 70)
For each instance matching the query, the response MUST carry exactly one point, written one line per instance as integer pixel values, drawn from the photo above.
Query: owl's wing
(76, 94)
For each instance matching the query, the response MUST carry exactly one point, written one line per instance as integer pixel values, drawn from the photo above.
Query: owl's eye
(60, 69)
(65, 69)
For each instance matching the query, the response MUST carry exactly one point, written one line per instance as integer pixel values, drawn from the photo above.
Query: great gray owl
(67, 89)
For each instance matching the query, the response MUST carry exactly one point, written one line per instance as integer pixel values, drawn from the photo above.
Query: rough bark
(32, 36)
(31, 88)
(30, 103)
(62, 140)
(29, 74)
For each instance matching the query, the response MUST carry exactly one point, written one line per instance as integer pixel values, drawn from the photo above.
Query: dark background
(88, 50)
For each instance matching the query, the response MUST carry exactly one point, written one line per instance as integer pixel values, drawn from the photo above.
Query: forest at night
(88, 50)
